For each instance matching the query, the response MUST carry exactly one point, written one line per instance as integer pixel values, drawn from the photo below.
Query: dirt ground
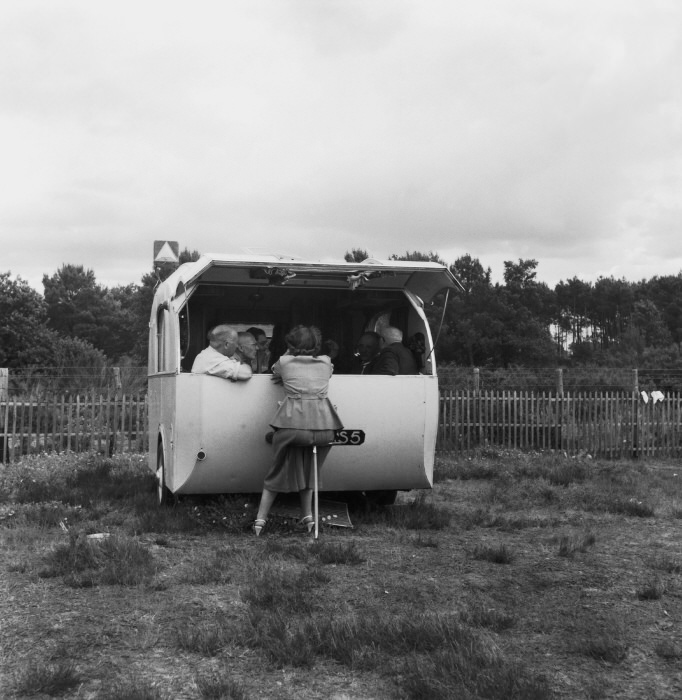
(556, 605)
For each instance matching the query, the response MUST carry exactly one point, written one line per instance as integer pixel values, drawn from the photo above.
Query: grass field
(522, 576)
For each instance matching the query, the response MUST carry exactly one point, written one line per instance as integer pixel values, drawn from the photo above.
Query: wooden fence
(106, 424)
(603, 424)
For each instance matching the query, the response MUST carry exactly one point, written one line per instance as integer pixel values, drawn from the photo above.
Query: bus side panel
(161, 396)
(220, 428)
(220, 433)
(395, 415)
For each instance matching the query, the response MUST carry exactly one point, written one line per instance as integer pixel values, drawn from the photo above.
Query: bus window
(163, 340)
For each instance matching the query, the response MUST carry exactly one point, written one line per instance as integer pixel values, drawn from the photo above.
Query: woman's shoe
(258, 526)
(306, 523)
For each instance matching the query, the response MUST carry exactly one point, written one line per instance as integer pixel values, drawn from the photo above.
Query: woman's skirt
(292, 468)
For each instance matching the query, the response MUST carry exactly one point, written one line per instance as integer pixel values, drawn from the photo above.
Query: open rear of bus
(207, 435)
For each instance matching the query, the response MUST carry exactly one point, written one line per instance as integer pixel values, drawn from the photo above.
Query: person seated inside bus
(247, 347)
(394, 358)
(417, 346)
(261, 362)
(218, 358)
(277, 345)
(367, 353)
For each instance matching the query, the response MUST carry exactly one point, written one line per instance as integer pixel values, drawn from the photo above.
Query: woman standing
(305, 417)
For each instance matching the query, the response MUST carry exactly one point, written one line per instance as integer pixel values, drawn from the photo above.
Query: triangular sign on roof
(166, 252)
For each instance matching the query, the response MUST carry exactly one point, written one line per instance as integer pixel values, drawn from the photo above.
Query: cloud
(503, 130)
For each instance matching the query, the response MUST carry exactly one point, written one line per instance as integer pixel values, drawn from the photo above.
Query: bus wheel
(381, 498)
(163, 494)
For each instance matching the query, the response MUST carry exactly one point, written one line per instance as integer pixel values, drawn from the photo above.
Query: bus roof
(425, 279)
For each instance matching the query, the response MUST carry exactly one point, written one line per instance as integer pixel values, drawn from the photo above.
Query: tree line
(520, 322)
(77, 329)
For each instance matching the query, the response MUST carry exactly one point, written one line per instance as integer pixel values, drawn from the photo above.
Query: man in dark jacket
(394, 357)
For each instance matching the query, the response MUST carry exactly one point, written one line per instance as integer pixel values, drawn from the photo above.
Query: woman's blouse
(305, 405)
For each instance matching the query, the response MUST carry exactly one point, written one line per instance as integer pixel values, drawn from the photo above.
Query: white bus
(207, 435)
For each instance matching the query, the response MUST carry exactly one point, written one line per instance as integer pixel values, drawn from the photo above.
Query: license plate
(349, 437)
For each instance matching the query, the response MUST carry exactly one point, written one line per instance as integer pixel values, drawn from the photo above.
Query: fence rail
(603, 424)
(106, 424)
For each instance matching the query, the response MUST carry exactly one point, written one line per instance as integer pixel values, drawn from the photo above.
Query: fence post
(477, 380)
(635, 413)
(4, 384)
(117, 378)
(560, 382)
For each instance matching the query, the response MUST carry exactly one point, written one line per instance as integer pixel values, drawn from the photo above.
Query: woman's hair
(304, 340)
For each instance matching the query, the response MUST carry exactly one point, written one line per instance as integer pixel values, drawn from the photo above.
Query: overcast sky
(505, 129)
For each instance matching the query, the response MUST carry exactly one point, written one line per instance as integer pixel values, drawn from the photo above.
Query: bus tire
(163, 494)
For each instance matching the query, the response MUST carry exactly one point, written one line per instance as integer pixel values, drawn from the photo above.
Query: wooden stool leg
(316, 513)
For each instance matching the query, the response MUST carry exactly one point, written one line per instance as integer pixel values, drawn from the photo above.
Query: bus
(208, 435)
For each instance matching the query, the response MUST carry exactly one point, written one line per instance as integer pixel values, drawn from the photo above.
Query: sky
(501, 129)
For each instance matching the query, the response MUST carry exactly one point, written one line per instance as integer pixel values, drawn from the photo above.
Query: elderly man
(247, 347)
(218, 358)
(261, 362)
(394, 357)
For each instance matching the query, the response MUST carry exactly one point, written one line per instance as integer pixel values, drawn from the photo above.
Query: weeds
(498, 554)
(47, 678)
(570, 544)
(338, 553)
(666, 562)
(275, 589)
(434, 656)
(132, 688)
(418, 515)
(205, 638)
(632, 507)
(651, 590)
(214, 570)
(479, 616)
(605, 642)
(219, 685)
(668, 650)
(113, 561)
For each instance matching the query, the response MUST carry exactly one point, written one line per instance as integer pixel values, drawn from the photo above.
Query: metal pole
(315, 492)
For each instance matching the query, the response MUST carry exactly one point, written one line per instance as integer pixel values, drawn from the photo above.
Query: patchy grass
(652, 589)
(570, 544)
(38, 677)
(116, 560)
(220, 685)
(185, 602)
(497, 554)
(604, 641)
